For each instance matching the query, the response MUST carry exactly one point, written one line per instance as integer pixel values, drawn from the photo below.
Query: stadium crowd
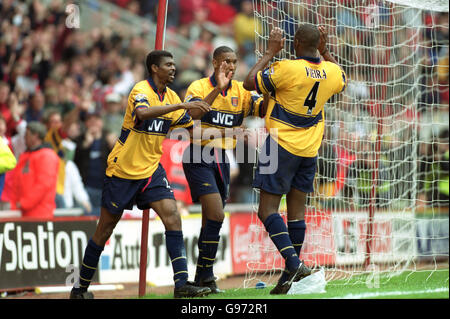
(76, 83)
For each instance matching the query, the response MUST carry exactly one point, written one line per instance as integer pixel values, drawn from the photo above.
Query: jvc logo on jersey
(155, 125)
(223, 119)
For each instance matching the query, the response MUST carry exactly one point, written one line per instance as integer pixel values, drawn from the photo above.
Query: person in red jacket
(34, 178)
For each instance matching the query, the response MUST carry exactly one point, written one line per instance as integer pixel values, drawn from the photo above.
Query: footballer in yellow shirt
(205, 162)
(299, 89)
(134, 175)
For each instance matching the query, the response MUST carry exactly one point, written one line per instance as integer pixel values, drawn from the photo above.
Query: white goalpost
(381, 188)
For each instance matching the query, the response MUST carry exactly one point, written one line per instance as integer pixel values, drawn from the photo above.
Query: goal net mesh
(380, 202)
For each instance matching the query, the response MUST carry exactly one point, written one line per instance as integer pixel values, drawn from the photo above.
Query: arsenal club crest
(234, 100)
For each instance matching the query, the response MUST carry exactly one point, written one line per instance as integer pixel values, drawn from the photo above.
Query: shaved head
(308, 36)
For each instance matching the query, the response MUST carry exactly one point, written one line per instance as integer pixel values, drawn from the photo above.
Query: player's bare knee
(218, 216)
(171, 219)
(103, 233)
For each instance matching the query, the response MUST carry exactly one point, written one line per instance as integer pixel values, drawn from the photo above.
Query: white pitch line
(390, 293)
(56, 289)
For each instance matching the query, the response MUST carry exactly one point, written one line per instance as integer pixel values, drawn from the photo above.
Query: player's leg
(302, 184)
(167, 211)
(272, 187)
(209, 238)
(208, 182)
(159, 196)
(106, 224)
(276, 227)
(117, 195)
(296, 204)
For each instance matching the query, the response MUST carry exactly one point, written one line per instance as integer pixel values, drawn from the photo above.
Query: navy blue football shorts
(207, 171)
(279, 170)
(119, 193)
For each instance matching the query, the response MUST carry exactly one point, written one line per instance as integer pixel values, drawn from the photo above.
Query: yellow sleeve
(271, 79)
(341, 81)
(252, 104)
(195, 92)
(181, 118)
(184, 120)
(137, 99)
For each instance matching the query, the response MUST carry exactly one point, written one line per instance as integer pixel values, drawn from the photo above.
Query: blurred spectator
(200, 22)
(125, 79)
(443, 75)
(56, 132)
(35, 109)
(220, 12)
(75, 194)
(436, 172)
(244, 28)
(7, 162)
(113, 116)
(357, 87)
(5, 174)
(225, 37)
(91, 154)
(10, 108)
(442, 163)
(34, 184)
(202, 49)
(188, 9)
(360, 180)
(3, 137)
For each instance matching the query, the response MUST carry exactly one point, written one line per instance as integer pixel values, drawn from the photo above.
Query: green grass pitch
(408, 285)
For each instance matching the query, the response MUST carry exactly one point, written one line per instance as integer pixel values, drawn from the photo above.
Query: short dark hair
(37, 128)
(155, 57)
(222, 49)
(308, 36)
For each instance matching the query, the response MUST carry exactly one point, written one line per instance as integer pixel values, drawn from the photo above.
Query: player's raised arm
(323, 49)
(275, 45)
(223, 80)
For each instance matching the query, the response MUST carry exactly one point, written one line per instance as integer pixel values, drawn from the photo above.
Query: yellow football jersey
(298, 92)
(228, 109)
(138, 150)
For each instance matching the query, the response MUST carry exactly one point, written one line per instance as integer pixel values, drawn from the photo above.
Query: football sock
(279, 235)
(208, 244)
(200, 257)
(296, 229)
(88, 266)
(177, 254)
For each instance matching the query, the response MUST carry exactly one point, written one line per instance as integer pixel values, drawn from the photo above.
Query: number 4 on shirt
(311, 101)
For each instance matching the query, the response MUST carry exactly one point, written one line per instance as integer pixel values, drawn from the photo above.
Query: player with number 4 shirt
(299, 89)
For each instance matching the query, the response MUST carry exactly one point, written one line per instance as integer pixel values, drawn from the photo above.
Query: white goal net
(381, 188)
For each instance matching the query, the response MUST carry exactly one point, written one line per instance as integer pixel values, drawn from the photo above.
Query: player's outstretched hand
(200, 105)
(224, 76)
(323, 40)
(276, 41)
